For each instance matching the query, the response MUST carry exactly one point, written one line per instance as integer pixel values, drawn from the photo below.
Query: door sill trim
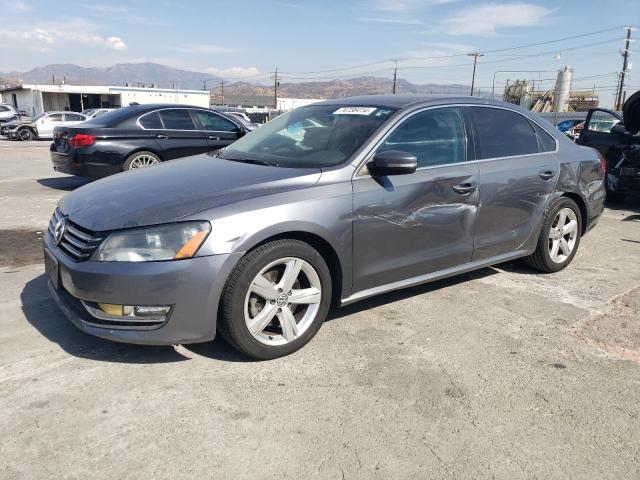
(430, 277)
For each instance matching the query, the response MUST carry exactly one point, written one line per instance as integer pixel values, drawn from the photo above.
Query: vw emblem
(282, 300)
(58, 230)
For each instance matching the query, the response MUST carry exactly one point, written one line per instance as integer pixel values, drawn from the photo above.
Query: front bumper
(192, 287)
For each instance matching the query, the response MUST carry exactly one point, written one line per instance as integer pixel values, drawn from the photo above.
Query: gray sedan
(328, 204)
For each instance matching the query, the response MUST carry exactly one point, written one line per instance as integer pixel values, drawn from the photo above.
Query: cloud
(115, 43)
(404, 6)
(401, 12)
(398, 21)
(290, 5)
(205, 48)
(487, 18)
(14, 6)
(234, 72)
(101, 8)
(68, 32)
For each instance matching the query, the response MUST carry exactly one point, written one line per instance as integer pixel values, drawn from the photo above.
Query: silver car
(328, 204)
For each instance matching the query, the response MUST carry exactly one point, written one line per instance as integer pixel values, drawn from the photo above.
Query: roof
(99, 89)
(402, 101)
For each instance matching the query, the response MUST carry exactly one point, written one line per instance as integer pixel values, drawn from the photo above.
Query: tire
(241, 306)
(140, 159)
(25, 134)
(542, 258)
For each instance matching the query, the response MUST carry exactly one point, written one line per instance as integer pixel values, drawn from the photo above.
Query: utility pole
(222, 91)
(395, 78)
(475, 56)
(276, 83)
(625, 64)
(204, 85)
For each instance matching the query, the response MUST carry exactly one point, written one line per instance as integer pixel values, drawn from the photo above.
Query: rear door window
(546, 142)
(73, 117)
(503, 133)
(601, 121)
(212, 122)
(177, 119)
(435, 137)
(151, 121)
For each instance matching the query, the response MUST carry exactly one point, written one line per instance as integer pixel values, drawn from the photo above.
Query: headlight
(162, 242)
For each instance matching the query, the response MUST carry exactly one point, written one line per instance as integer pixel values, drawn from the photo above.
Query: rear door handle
(162, 136)
(213, 137)
(547, 174)
(464, 188)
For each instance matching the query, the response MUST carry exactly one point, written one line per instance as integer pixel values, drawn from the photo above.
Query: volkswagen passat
(332, 202)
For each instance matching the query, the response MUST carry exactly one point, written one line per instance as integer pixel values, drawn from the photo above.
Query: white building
(36, 99)
(286, 104)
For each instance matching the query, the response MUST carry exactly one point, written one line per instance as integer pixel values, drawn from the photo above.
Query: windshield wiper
(252, 161)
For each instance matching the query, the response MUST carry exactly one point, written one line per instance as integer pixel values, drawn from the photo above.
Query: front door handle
(547, 174)
(213, 137)
(162, 136)
(464, 188)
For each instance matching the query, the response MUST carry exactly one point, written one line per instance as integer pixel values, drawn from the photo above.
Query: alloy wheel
(282, 301)
(142, 161)
(563, 235)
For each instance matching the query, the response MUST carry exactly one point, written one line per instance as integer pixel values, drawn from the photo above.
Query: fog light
(133, 313)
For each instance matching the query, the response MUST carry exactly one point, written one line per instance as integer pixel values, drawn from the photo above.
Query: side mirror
(618, 129)
(392, 162)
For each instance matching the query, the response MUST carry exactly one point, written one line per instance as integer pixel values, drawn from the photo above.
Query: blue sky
(304, 39)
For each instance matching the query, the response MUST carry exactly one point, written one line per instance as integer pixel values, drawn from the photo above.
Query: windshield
(312, 136)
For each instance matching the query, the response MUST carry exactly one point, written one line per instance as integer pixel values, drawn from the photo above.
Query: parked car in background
(616, 138)
(40, 127)
(140, 136)
(378, 194)
(567, 125)
(8, 112)
(242, 118)
(96, 112)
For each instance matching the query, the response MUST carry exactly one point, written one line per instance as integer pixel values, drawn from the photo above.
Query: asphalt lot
(501, 373)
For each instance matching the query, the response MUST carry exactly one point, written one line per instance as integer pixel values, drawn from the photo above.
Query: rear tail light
(82, 140)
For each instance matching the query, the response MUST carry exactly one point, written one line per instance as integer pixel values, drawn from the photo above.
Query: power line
(453, 55)
(581, 35)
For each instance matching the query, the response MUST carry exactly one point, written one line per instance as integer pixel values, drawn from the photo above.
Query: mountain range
(163, 76)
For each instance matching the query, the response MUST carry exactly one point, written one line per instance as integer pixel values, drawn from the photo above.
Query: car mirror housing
(619, 129)
(392, 162)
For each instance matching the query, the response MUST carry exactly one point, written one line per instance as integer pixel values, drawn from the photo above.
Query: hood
(175, 190)
(631, 113)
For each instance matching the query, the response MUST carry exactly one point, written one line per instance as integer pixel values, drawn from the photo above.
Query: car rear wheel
(25, 134)
(141, 160)
(276, 299)
(559, 238)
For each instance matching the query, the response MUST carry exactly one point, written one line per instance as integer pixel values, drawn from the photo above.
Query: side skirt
(430, 277)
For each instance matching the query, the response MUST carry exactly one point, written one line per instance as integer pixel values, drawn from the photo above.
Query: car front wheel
(559, 238)
(276, 299)
(25, 135)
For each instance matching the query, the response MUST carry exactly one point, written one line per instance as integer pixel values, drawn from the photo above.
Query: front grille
(77, 242)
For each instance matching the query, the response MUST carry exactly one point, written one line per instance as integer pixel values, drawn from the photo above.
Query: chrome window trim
(367, 157)
(184, 108)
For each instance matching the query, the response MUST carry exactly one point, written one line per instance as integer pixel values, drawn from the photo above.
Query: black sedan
(616, 138)
(140, 136)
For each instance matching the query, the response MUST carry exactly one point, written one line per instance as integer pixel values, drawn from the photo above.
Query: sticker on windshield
(355, 111)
